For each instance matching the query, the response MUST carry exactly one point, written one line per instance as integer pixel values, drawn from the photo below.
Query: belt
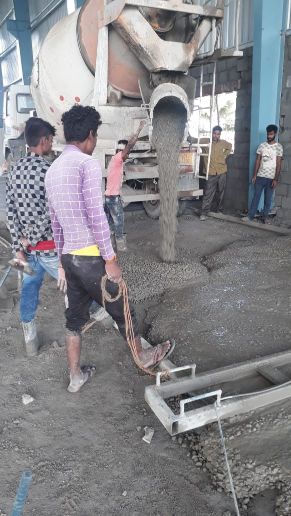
(44, 245)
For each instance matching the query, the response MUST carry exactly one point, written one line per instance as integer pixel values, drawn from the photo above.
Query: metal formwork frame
(222, 407)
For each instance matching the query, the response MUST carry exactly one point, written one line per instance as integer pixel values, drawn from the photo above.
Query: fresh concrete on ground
(226, 300)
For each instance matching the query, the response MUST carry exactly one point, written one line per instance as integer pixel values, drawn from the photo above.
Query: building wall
(43, 15)
(235, 74)
(283, 190)
(9, 58)
(228, 29)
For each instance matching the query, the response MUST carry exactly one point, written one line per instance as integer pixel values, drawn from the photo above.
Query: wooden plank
(273, 374)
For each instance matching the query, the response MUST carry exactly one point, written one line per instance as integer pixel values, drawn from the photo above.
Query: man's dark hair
(217, 128)
(79, 121)
(35, 129)
(272, 128)
(121, 142)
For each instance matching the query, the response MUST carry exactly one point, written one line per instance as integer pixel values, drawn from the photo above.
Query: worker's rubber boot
(30, 338)
(121, 244)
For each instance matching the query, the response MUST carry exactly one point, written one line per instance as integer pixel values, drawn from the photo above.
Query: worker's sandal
(76, 382)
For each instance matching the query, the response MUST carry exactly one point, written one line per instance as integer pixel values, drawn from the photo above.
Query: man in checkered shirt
(82, 237)
(29, 224)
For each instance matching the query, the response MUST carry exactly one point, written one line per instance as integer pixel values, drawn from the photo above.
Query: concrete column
(267, 71)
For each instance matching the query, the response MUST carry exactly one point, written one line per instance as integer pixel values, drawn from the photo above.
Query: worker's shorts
(84, 275)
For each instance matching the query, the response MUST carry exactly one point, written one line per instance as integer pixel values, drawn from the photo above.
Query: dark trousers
(84, 275)
(214, 185)
(262, 184)
(115, 215)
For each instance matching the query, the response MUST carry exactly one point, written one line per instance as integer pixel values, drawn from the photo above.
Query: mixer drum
(124, 69)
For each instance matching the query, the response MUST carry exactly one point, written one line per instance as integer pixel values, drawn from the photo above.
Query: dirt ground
(228, 301)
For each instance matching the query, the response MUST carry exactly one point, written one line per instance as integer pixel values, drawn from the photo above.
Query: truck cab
(18, 105)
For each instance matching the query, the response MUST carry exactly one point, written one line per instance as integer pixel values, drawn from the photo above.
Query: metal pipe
(22, 493)
(237, 20)
(5, 276)
(213, 35)
(5, 243)
(288, 17)
(211, 118)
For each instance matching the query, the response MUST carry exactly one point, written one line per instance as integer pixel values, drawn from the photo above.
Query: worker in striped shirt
(82, 238)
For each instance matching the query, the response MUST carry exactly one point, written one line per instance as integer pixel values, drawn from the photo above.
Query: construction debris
(26, 399)
(148, 434)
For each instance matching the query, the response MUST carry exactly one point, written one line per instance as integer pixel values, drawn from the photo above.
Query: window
(24, 103)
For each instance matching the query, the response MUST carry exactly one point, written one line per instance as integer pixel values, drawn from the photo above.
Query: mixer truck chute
(127, 58)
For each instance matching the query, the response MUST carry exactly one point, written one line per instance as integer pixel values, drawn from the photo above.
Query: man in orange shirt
(113, 203)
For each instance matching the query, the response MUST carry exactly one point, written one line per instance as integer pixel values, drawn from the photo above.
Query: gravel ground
(258, 448)
(225, 300)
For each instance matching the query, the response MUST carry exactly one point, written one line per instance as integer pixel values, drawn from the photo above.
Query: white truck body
(17, 107)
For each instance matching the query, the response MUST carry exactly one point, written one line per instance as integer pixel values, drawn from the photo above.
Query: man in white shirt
(266, 172)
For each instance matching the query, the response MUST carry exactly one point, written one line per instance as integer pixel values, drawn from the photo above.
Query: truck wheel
(182, 205)
(152, 208)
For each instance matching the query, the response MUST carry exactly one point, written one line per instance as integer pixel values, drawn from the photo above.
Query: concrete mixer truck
(124, 57)
(130, 59)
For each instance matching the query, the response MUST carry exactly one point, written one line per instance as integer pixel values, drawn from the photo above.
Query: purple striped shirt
(73, 185)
